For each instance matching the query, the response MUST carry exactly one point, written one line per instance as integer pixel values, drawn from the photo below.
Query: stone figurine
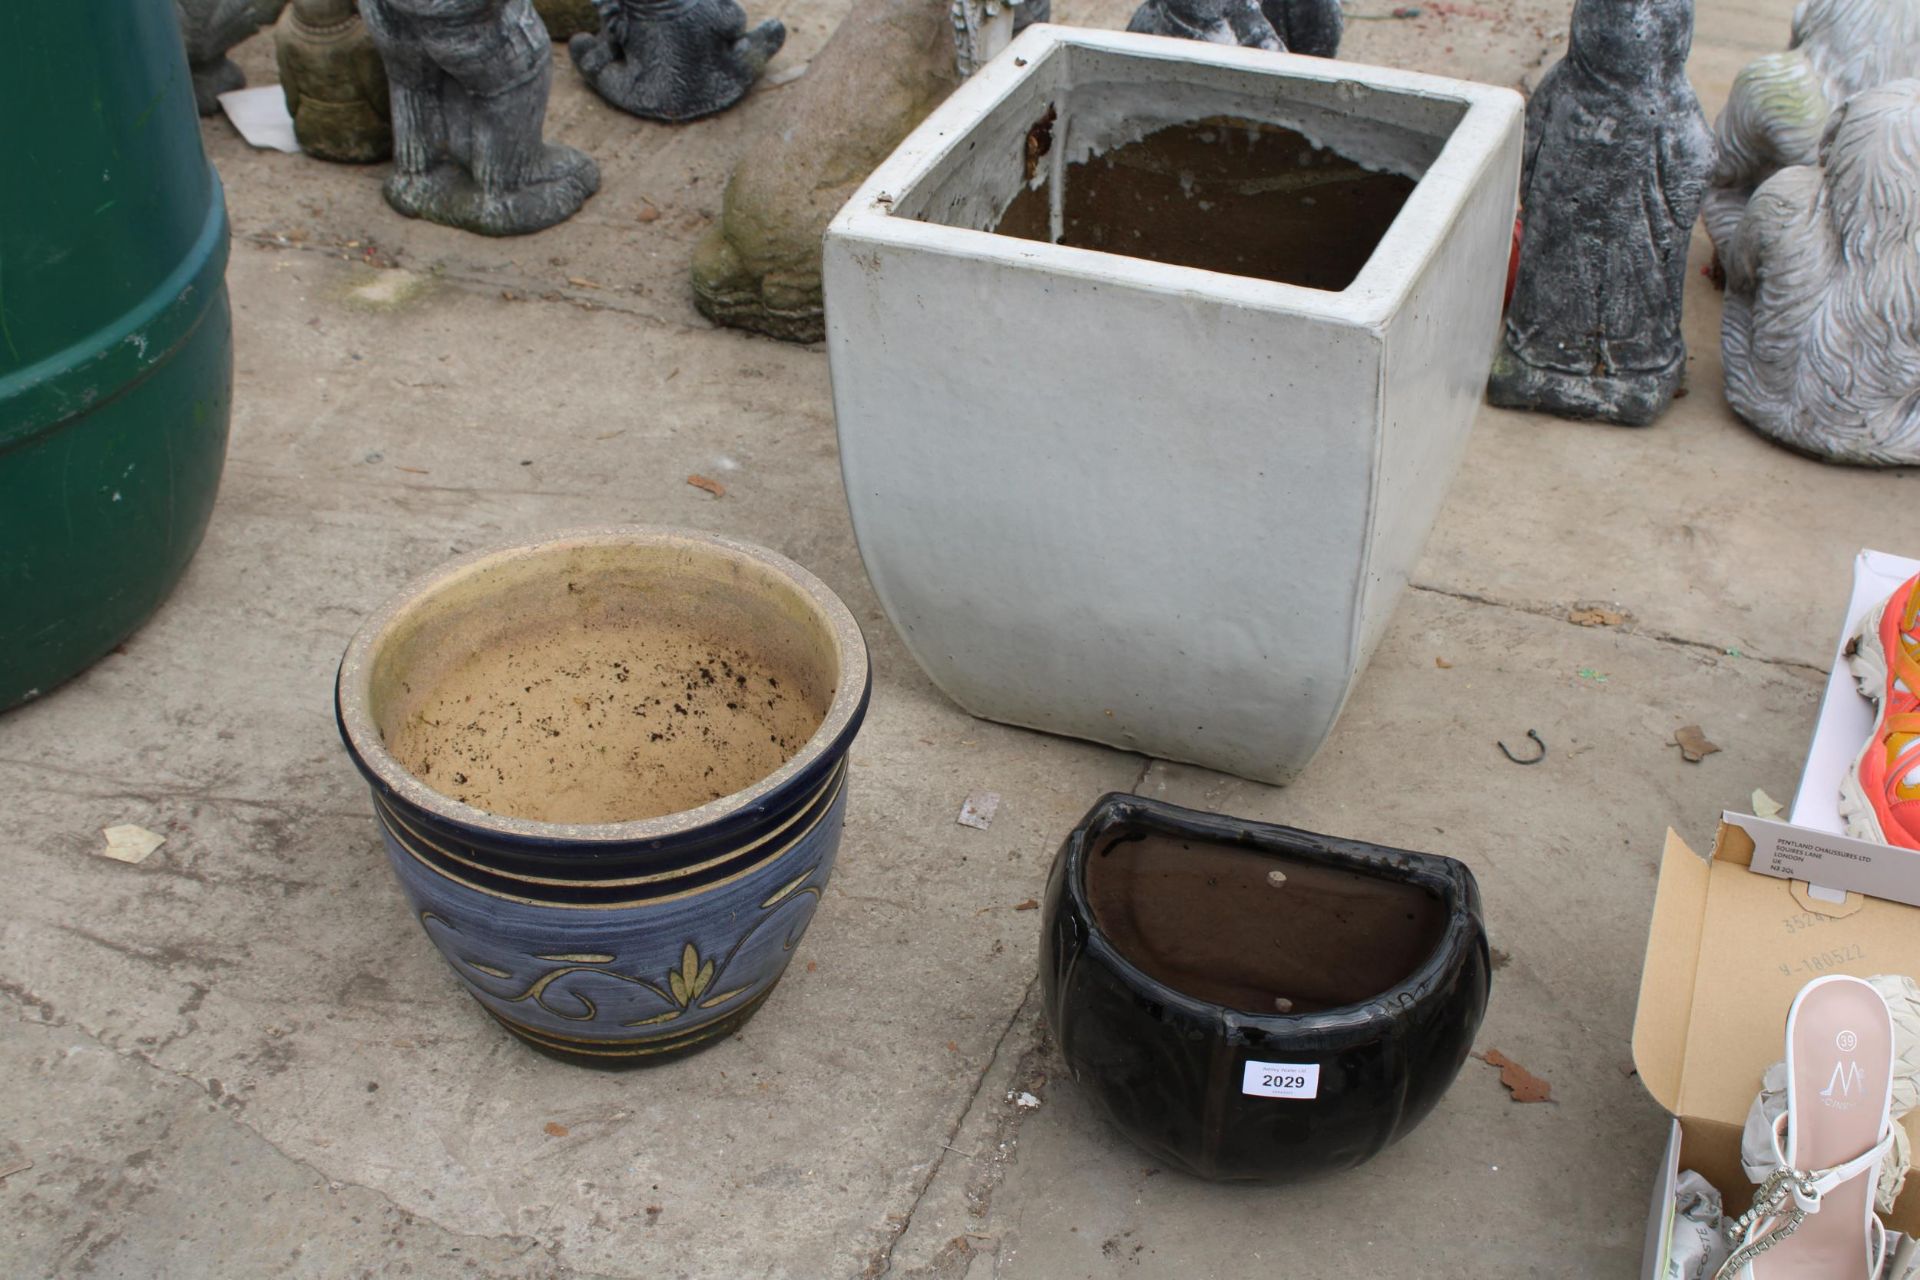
(469, 82)
(981, 29)
(674, 60)
(1821, 332)
(210, 28)
(1300, 26)
(889, 64)
(335, 86)
(1617, 156)
(1219, 21)
(1778, 108)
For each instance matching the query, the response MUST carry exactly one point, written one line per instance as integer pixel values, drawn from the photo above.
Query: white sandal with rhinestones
(1813, 1219)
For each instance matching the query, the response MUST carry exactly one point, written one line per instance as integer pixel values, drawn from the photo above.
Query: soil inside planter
(605, 723)
(1222, 194)
(1258, 932)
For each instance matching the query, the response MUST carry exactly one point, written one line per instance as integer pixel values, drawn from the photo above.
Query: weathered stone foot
(755, 49)
(569, 177)
(590, 53)
(1627, 399)
(447, 195)
(417, 194)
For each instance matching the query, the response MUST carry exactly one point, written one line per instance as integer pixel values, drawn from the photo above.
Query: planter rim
(1368, 302)
(352, 689)
(1448, 877)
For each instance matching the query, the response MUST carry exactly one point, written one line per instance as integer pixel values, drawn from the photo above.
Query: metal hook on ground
(1516, 759)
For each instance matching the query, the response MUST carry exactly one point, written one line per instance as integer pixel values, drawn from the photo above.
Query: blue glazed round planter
(620, 943)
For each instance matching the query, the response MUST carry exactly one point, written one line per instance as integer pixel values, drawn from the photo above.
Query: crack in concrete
(230, 1105)
(514, 288)
(1559, 612)
(880, 1264)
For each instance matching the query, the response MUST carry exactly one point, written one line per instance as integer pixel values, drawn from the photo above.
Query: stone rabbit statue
(335, 86)
(468, 81)
(1298, 26)
(674, 60)
(1821, 332)
(210, 28)
(1617, 155)
(1777, 111)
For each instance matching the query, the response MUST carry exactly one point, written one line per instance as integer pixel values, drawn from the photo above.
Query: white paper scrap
(978, 810)
(128, 843)
(261, 117)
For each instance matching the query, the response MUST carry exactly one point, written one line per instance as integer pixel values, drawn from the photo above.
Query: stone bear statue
(1777, 110)
(1297, 26)
(1821, 331)
(674, 60)
(1616, 161)
(468, 81)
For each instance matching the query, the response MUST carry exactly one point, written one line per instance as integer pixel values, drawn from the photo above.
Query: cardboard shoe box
(1734, 938)
(1728, 951)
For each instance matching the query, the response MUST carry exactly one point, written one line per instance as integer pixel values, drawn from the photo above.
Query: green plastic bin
(116, 341)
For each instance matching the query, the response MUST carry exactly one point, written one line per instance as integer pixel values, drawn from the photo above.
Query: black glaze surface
(1167, 1068)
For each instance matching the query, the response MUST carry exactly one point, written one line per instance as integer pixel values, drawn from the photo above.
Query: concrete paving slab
(1565, 852)
(263, 952)
(1697, 526)
(161, 1181)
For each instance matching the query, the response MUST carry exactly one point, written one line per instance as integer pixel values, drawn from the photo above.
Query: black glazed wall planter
(1250, 1002)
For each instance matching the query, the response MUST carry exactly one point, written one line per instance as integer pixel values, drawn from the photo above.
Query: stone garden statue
(1219, 21)
(674, 60)
(469, 82)
(1617, 156)
(1778, 108)
(1821, 333)
(335, 87)
(1298, 26)
(210, 28)
(889, 64)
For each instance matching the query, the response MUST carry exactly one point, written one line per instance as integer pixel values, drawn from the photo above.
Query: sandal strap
(1809, 1185)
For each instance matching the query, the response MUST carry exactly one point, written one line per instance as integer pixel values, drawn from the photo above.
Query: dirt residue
(588, 724)
(1224, 194)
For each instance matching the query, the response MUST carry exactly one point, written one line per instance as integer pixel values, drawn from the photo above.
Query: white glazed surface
(1158, 507)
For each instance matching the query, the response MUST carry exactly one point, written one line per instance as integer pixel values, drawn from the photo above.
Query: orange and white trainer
(1880, 796)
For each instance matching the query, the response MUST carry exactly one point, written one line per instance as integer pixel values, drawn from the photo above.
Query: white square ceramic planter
(1160, 506)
